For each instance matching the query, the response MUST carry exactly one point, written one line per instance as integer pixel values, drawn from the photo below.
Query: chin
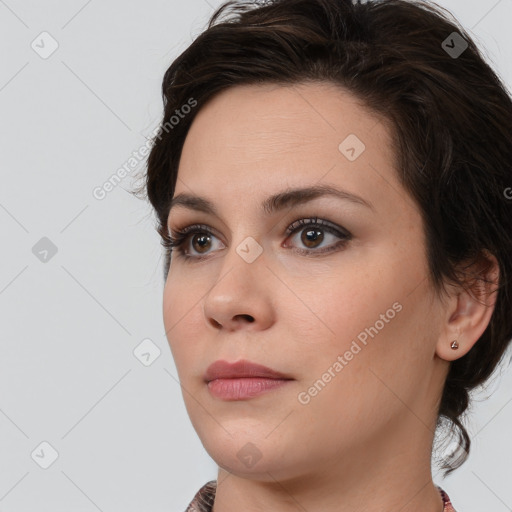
(246, 452)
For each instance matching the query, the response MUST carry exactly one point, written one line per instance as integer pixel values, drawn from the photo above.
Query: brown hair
(449, 113)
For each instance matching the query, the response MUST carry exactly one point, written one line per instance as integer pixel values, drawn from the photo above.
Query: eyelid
(317, 221)
(192, 229)
(181, 235)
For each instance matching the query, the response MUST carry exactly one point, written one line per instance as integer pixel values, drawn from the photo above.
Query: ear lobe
(469, 310)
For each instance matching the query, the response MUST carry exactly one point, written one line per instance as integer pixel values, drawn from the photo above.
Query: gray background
(70, 324)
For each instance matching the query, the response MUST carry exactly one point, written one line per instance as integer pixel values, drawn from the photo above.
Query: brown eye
(312, 237)
(191, 242)
(201, 243)
(313, 233)
(196, 242)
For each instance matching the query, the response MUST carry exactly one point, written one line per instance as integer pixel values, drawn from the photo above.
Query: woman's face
(341, 305)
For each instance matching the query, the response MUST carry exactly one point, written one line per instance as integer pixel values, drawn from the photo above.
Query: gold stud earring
(454, 345)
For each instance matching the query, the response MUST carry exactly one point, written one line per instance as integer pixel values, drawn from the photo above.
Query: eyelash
(176, 242)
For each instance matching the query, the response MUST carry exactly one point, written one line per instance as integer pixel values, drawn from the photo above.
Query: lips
(241, 369)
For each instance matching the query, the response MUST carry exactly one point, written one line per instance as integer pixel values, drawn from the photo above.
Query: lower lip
(241, 389)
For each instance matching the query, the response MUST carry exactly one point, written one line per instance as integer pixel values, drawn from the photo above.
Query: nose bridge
(241, 273)
(245, 257)
(241, 288)
(246, 247)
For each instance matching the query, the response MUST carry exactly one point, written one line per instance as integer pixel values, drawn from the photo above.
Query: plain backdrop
(91, 411)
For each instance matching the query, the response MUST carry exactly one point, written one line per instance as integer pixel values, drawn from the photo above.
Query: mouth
(242, 380)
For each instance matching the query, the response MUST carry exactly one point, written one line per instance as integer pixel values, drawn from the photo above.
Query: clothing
(204, 498)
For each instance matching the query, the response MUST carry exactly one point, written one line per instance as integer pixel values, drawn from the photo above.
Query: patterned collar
(204, 498)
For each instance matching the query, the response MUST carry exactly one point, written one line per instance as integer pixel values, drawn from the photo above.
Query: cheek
(354, 379)
(385, 349)
(181, 296)
(364, 311)
(182, 321)
(342, 301)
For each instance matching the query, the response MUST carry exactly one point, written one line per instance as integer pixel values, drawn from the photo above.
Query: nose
(242, 295)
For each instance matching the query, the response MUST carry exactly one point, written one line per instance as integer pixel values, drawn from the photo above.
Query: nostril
(249, 318)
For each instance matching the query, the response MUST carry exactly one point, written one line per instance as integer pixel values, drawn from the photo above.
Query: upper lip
(225, 370)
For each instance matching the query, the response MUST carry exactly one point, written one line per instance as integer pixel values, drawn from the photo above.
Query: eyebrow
(274, 203)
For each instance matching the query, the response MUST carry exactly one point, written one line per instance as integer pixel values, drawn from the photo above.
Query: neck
(391, 475)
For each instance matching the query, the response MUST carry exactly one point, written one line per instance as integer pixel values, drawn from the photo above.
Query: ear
(468, 312)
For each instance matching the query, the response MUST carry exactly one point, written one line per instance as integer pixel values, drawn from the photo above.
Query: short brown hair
(449, 113)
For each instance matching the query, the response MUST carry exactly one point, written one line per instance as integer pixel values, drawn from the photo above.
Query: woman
(332, 180)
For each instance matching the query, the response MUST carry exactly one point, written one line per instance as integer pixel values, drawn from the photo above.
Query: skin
(364, 441)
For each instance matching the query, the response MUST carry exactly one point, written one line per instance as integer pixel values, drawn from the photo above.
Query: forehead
(257, 139)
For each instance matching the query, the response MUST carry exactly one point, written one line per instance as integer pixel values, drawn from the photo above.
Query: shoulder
(203, 500)
(205, 496)
(448, 506)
